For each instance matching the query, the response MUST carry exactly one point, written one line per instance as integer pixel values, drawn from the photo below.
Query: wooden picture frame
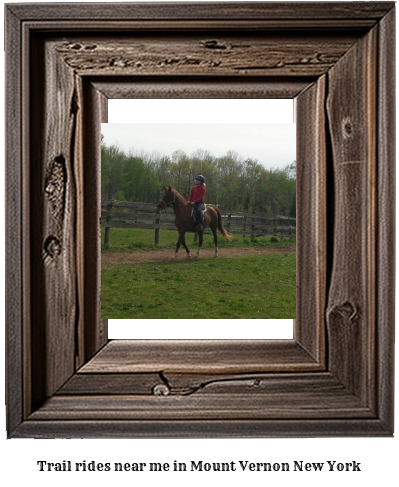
(64, 378)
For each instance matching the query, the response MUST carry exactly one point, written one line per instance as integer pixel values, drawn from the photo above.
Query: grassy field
(241, 287)
(260, 286)
(126, 239)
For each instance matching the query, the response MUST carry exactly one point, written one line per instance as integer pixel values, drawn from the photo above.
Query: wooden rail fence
(123, 214)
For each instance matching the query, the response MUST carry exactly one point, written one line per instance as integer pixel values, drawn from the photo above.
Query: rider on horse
(197, 199)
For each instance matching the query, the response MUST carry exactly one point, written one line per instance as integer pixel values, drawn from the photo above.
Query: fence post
(108, 219)
(157, 219)
(244, 226)
(253, 228)
(253, 222)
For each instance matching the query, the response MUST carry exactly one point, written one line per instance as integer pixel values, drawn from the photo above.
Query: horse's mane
(179, 196)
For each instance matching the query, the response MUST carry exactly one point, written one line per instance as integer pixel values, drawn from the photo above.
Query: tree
(232, 183)
(111, 170)
(252, 176)
(133, 178)
(229, 172)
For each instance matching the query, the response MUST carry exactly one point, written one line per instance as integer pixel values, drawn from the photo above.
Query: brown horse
(185, 222)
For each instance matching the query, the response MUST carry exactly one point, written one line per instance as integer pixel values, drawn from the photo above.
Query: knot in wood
(52, 246)
(56, 176)
(346, 310)
(347, 128)
(213, 44)
(50, 188)
(90, 47)
(349, 310)
(161, 390)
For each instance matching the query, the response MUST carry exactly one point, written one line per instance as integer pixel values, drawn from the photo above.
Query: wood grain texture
(351, 306)
(200, 356)
(103, 102)
(95, 329)
(178, 87)
(311, 219)
(359, 13)
(14, 238)
(256, 397)
(274, 428)
(53, 218)
(203, 407)
(239, 55)
(185, 384)
(115, 383)
(385, 245)
(200, 389)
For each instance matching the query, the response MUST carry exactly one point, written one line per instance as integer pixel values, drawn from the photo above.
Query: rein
(172, 203)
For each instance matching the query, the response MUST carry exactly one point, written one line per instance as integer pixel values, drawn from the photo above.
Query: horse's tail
(221, 228)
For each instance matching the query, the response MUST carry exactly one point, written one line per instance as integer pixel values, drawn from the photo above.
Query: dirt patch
(110, 259)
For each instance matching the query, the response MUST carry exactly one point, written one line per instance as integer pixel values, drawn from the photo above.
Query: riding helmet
(200, 178)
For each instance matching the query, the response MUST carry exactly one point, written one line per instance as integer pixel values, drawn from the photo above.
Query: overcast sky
(257, 129)
(273, 145)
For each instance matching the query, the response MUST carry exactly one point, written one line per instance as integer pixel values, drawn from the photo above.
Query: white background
(187, 112)
(378, 456)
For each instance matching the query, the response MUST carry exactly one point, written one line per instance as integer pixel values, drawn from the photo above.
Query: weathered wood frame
(64, 378)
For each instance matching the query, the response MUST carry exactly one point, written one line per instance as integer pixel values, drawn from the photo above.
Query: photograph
(198, 219)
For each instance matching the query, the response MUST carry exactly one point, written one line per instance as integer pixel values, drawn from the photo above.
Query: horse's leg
(185, 245)
(179, 242)
(215, 237)
(200, 241)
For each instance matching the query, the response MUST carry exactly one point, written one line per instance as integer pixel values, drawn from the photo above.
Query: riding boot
(199, 220)
(199, 216)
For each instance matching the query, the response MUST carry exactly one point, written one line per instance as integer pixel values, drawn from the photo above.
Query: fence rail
(122, 214)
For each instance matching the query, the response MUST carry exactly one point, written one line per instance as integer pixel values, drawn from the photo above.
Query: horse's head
(168, 198)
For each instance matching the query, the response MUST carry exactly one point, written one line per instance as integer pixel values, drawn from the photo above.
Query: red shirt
(197, 194)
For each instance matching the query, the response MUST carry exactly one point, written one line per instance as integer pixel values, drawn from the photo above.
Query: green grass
(130, 239)
(241, 287)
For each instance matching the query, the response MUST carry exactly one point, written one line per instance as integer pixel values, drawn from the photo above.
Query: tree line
(232, 182)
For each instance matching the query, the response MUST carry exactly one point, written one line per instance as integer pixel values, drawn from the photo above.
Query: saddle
(194, 216)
